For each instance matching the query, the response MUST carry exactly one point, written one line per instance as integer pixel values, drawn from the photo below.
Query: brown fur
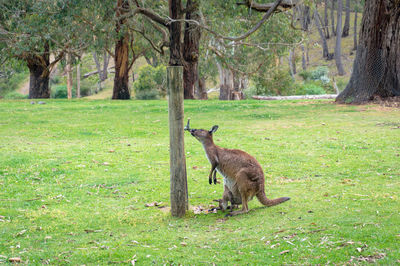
(244, 175)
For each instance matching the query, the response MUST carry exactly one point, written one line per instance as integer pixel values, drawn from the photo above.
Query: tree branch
(284, 5)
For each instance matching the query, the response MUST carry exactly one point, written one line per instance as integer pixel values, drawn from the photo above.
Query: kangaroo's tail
(267, 202)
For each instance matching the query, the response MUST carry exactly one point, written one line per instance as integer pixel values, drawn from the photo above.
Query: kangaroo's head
(201, 135)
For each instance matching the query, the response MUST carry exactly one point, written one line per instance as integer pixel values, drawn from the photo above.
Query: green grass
(75, 177)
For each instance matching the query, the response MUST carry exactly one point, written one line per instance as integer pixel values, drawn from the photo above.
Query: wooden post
(179, 194)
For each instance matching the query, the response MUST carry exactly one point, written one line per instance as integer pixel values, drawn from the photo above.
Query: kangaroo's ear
(214, 128)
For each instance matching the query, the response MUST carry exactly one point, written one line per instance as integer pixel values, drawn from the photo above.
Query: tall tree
(32, 30)
(338, 46)
(121, 54)
(325, 50)
(191, 46)
(346, 26)
(376, 68)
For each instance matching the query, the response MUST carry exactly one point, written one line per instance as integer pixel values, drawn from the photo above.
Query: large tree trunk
(333, 17)
(376, 68)
(325, 51)
(338, 46)
(121, 79)
(346, 26)
(39, 74)
(191, 44)
(355, 29)
(326, 23)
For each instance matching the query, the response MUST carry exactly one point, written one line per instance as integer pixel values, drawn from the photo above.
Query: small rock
(41, 102)
(32, 102)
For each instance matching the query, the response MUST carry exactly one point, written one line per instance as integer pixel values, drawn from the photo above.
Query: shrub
(151, 83)
(15, 95)
(320, 73)
(310, 88)
(278, 82)
(61, 92)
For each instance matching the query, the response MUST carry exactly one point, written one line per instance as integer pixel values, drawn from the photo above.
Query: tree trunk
(69, 76)
(225, 82)
(338, 46)
(325, 51)
(121, 79)
(39, 74)
(201, 92)
(333, 18)
(305, 18)
(303, 58)
(355, 29)
(326, 23)
(346, 26)
(178, 177)
(292, 62)
(191, 44)
(376, 68)
(38, 80)
(78, 80)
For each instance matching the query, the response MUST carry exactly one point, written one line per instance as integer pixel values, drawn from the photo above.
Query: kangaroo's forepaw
(228, 214)
(215, 181)
(210, 180)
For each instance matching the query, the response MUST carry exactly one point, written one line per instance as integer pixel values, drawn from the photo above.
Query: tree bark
(338, 46)
(333, 17)
(69, 76)
(292, 62)
(175, 56)
(39, 74)
(191, 44)
(376, 68)
(121, 78)
(225, 82)
(201, 92)
(355, 29)
(78, 80)
(303, 58)
(325, 51)
(305, 18)
(326, 19)
(346, 26)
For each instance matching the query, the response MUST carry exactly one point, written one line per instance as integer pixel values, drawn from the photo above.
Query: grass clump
(75, 179)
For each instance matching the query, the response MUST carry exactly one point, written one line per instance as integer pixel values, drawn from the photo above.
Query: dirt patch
(388, 102)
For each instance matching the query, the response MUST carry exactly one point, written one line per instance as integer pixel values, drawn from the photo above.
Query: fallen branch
(296, 97)
(86, 75)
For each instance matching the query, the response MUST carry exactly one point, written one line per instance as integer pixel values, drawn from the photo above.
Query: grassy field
(75, 178)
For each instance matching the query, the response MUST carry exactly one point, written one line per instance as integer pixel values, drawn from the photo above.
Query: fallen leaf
(111, 151)
(284, 252)
(183, 244)
(106, 163)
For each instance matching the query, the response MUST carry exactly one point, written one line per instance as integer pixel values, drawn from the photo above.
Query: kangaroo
(243, 175)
